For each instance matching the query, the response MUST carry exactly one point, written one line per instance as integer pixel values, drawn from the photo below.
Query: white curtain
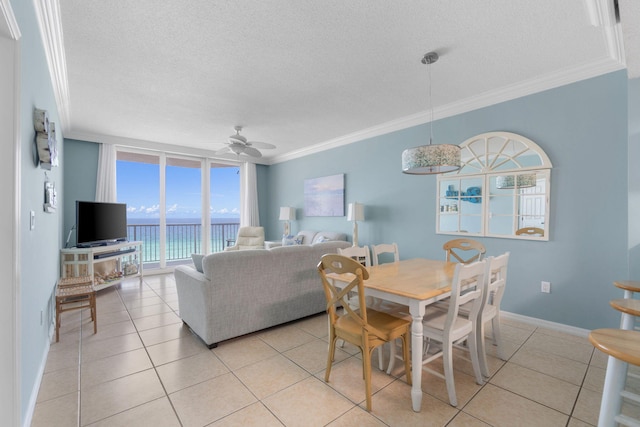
(106, 179)
(249, 213)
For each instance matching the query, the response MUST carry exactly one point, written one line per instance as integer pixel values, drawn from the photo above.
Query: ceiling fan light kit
(238, 145)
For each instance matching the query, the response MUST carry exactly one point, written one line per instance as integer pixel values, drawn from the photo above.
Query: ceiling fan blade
(262, 145)
(252, 152)
(222, 151)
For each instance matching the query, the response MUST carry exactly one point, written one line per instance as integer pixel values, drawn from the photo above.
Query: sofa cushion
(197, 261)
(306, 236)
(325, 236)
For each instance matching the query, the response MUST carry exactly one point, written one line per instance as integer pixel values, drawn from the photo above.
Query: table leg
(417, 314)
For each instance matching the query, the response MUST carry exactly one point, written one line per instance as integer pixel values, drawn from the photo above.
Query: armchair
(248, 238)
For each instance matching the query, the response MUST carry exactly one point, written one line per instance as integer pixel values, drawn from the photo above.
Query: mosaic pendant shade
(431, 159)
(509, 181)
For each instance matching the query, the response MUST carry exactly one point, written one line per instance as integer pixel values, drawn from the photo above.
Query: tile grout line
(155, 370)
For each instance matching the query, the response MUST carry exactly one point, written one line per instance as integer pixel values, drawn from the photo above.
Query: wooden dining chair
(382, 249)
(365, 328)
(457, 248)
(448, 328)
(530, 231)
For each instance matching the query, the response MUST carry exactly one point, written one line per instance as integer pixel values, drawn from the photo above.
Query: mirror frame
(487, 156)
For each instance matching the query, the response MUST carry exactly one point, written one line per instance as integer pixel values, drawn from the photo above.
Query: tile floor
(144, 368)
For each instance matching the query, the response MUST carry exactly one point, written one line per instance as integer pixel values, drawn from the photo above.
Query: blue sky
(138, 186)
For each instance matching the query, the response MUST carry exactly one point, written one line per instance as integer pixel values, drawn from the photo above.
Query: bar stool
(74, 293)
(629, 287)
(630, 308)
(623, 348)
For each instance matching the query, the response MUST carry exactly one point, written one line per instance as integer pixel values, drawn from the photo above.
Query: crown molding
(141, 144)
(50, 23)
(506, 93)
(10, 18)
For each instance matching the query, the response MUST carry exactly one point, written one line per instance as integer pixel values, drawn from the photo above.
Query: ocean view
(183, 236)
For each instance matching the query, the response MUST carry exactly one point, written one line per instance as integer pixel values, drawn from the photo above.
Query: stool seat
(75, 293)
(625, 305)
(627, 285)
(621, 344)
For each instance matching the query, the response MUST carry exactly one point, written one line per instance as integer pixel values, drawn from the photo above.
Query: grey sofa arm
(194, 299)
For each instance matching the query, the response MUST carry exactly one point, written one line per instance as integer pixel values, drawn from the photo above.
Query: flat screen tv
(100, 223)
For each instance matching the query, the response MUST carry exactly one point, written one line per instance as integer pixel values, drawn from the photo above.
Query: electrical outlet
(545, 287)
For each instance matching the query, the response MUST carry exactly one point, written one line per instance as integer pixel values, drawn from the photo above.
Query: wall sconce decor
(50, 197)
(46, 141)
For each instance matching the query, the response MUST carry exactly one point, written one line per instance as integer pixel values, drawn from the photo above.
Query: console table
(121, 260)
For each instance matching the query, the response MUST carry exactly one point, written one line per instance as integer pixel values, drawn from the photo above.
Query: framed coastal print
(324, 196)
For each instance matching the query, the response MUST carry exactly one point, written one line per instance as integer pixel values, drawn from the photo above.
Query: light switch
(32, 220)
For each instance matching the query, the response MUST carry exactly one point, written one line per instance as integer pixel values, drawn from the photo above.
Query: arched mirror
(501, 189)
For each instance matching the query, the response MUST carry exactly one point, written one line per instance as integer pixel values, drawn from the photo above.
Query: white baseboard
(33, 396)
(560, 327)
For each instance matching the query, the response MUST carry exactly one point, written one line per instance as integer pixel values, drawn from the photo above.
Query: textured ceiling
(306, 74)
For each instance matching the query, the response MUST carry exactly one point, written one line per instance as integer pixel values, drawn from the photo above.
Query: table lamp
(355, 213)
(286, 215)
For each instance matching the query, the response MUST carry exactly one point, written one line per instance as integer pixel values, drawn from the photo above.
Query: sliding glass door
(178, 205)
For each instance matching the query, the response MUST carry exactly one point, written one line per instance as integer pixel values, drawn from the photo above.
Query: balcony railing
(182, 240)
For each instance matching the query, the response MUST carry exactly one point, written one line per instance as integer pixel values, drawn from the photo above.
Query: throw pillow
(298, 240)
(323, 239)
(288, 240)
(197, 261)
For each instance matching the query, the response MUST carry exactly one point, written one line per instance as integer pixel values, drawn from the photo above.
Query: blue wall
(79, 178)
(583, 129)
(39, 248)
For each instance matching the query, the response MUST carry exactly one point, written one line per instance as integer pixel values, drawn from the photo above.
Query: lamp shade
(431, 159)
(355, 212)
(287, 213)
(509, 181)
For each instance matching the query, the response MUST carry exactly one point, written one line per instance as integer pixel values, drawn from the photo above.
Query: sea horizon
(156, 221)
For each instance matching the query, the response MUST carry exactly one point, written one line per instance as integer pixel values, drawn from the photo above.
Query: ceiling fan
(238, 144)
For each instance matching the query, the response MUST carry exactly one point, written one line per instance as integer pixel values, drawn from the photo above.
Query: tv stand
(118, 261)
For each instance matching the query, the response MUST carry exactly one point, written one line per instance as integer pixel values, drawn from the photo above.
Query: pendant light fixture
(431, 159)
(510, 181)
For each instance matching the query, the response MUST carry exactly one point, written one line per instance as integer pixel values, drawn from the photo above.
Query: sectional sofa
(240, 292)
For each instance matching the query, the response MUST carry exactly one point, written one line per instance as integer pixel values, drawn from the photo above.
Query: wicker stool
(623, 347)
(73, 293)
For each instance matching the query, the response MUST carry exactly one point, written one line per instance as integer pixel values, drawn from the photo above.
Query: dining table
(415, 283)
